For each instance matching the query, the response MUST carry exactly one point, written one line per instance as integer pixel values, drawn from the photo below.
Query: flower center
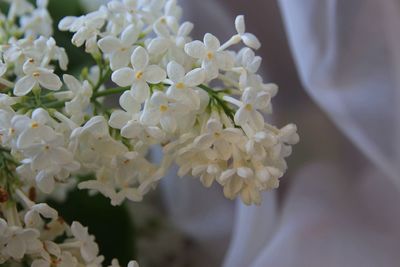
(217, 134)
(139, 75)
(180, 85)
(163, 108)
(36, 74)
(248, 107)
(210, 55)
(34, 125)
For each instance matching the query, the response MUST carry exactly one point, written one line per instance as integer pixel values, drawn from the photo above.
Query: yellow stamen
(248, 107)
(163, 108)
(36, 74)
(180, 85)
(210, 55)
(34, 125)
(139, 75)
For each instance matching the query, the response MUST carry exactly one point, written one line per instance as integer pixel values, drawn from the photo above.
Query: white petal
(131, 130)
(185, 28)
(79, 231)
(195, 49)
(204, 141)
(225, 176)
(16, 247)
(89, 251)
(133, 264)
(109, 44)
(130, 35)
(45, 182)
(41, 115)
(150, 117)
(223, 148)
(211, 42)
(241, 116)
(245, 172)
(66, 23)
(225, 60)
(240, 25)
(158, 46)
(24, 85)
(258, 119)
(159, 98)
(140, 91)
(72, 83)
(123, 77)
(214, 125)
(251, 40)
(119, 59)
(255, 64)
(154, 74)
(50, 81)
(139, 58)
(195, 77)
(129, 103)
(45, 210)
(175, 71)
(118, 119)
(168, 123)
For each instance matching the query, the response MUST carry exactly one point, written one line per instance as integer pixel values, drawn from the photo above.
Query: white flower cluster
(31, 233)
(218, 134)
(202, 102)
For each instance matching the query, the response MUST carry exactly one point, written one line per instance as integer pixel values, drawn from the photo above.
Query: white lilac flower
(128, 121)
(93, 146)
(38, 22)
(161, 110)
(115, 263)
(252, 101)
(34, 130)
(139, 75)
(220, 139)
(16, 241)
(248, 39)
(35, 76)
(182, 84)
(80, 94)
(119, 50)
(32, 217)
(7, 132)
(171, 37)
(250, 64)
(88, 248)
(51, 51)
(209, 53)
(86, 28)
(53, 256)
(19, 7)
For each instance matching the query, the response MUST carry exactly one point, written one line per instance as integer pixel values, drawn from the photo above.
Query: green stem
(214, 95)
(111, 91)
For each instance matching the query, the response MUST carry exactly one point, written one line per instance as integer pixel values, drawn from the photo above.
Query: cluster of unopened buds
(199, 102)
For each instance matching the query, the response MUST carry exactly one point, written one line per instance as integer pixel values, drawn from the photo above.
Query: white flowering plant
(200, 102)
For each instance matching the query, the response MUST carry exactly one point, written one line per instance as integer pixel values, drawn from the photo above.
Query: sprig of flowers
(202, 102)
